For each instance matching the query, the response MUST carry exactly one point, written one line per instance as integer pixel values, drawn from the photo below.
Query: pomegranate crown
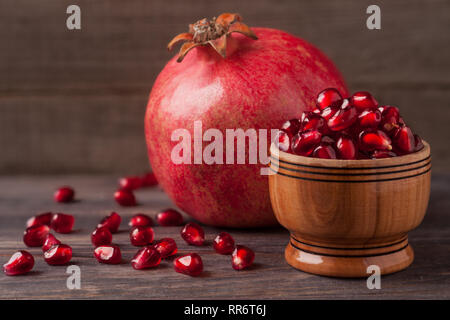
(212, 32)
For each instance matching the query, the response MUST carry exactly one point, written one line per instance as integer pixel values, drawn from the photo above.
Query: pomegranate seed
(363, 100)
(344, 117)
(324, 151)
(327, 97)
(62, 223)
(166, 247)
(369, 118)
(390, 119)
(190, 264)
(327, 139)
(380, 154)
(328, 112)
(145, 258)
(44, 218)
(125, 198)
(50, 241)
(58, 255)
(130, 183)
(193, 234)
(109, 254)
(404, 140)
(291, 127)
(371, 140)
(224, 243)
(312, 121)
(149, 180)
(141, 236)
(304, 143)
(140, 220)
(282, 141)
(242, 257)
(346, 148)
(112, 222)
(101, 236)
(169, 218)
(35, 236)
(418, 143)
(64, 194)
(20, 262)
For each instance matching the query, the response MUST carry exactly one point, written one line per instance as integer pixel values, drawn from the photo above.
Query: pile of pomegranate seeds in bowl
(348, 128)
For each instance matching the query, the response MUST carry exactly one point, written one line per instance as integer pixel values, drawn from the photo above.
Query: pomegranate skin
(260, 84)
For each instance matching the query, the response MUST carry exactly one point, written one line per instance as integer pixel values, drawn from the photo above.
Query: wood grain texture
(271, 277)
(344, 215)
(73, 101)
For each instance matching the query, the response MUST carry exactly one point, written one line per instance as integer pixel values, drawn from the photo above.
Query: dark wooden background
(74, 101)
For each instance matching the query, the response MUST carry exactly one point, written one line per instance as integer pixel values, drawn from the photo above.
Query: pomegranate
(169, 218)
(224, 243)
(190, 264)
(242, 257)
(145, 258)
(58, 254)
(43, 218)
(141, 236)
(193, 234)
(140, 220)
(112, 222)
(130, 183)
(35, 236)
(108, 254)
(229, 76)
(20, 262)
(50, 241)
(125, 198)
(62, 223)
(101, 236)
(64, 194)
(166, 247)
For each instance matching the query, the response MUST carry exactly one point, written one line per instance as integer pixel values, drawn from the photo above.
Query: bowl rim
(408, 159)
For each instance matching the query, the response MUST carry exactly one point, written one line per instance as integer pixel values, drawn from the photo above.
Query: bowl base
(348, 262)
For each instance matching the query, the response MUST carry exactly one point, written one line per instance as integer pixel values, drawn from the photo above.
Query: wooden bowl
(345, 215)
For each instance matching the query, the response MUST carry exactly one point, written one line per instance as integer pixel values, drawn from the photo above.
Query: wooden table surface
(270, 278)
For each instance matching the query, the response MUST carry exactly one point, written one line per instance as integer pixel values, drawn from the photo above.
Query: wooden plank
(270, 278)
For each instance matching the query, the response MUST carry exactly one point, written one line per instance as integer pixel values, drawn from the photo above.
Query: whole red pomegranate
(229, 76)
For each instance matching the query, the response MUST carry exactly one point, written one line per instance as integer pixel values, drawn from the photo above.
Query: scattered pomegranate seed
(145, 258)
(242, 257)
(404, 140)
(112, 222)
(327, 97)
(62, 223)
(50, 241)
(44, 218)
(344, 117)
(149, 180)
(346, 148)
(224, 243)
(125, 198)
(108, 254)
(101, 236)
(130, 183)
(363, 100)
(58, 254)
(35, 236)
(166, 247)
(324, 151)
(282, 141)
(169, 218)
(193, 234)
(291, 127)
(380, 154)
(190, 264)
(64, 194)
(369, 118)
(20, 262)
(371, 140)
(140, 220)
(418, 143)
(304, 143)
(141, 236)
